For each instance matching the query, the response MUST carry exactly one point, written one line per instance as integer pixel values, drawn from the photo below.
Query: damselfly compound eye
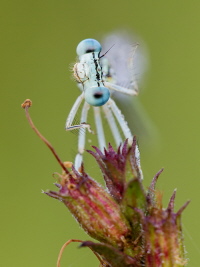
(88, 46)
(97, 96)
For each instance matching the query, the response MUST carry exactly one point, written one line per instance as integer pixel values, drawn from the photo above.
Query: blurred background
(38, 42)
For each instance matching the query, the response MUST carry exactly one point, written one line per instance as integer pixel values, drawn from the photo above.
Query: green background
(38, 42)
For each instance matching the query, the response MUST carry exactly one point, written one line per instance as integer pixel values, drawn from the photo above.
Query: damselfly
(96, 79)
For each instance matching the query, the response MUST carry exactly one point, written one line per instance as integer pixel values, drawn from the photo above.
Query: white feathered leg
(70, 118)
(99, 128)
(112, 123)
(81, 137)
(121, 89)
(124, 126)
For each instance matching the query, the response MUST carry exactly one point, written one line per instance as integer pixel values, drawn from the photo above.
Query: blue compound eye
(88, 46)
(97, 96)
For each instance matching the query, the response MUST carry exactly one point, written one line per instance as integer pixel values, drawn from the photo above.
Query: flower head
(130, 222)
(95, 209)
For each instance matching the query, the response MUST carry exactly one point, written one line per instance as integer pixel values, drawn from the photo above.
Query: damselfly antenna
(106, 51)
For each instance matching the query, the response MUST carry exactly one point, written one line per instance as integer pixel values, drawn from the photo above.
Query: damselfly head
(88, 46)
(97, 96)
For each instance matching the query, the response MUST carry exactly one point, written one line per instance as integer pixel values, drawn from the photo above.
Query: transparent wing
(127, 62)
(128, 57)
